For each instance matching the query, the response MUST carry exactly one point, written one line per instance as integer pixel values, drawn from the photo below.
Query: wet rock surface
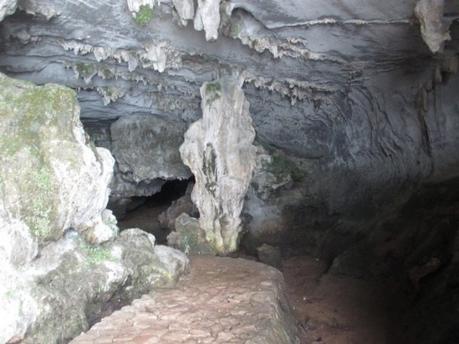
(223, 300)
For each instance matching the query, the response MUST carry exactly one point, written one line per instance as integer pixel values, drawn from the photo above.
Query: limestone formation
(320, 78)
(74, 283)
(208, 18)
(7, 7)
(146, 148)
(189, 237)
(219, 151)
(51, 178)
(434, 29)
(61, 261)
(136, 5)
(146, 151)
(185, 10)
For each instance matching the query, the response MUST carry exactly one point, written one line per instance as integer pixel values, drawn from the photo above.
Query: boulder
(182, 205)
(61, 258)
(51, 177)
(189, 237)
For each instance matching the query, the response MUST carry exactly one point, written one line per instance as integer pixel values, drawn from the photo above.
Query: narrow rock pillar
(219, 151)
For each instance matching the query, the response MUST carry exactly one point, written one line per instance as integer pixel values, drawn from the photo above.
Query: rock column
(219, 151)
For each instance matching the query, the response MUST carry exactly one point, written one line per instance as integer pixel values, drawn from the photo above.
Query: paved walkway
(222, 300)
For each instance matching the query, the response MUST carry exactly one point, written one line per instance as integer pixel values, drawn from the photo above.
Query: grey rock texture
(348, 91)
(433, 27)
(7, 7)
(146, 152)
(75, 284)
(183, 205)
(220, 153)
(51, 178)
(61, 259)
(189, 237)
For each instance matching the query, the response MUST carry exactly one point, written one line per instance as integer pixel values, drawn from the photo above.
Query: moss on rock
(44, 157)
(29, 116)
(144, 16)
(213, 92)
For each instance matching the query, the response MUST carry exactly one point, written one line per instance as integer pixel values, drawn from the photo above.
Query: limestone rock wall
(434, 28)
(219, 151)
(61, 259)
(146, 152)
(347, 95)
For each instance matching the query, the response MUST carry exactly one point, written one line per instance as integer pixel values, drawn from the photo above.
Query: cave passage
(323, 137)
(146, 211)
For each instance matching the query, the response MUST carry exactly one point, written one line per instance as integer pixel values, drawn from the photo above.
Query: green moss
(95, 254)
(213, 87)
(28, 114)
(85, 69)
(107, 73)
(213, 92)
(144, 15)
(235, 30)
(40, 211)
(10, 145)
(280, 164)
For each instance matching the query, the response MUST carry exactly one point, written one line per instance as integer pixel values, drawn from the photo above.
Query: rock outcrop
(7, 7)
(61, 258)
(52, 179)
(147, 155)
(434, 29)
(219, 151)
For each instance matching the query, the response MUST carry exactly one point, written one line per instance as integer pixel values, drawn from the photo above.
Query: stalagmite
(434, 30)
(219, 151)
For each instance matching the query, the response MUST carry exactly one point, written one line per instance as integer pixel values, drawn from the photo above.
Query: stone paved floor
(222, 300)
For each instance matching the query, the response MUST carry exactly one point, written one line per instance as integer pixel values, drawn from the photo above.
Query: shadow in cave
(398, 285)
(145, 215)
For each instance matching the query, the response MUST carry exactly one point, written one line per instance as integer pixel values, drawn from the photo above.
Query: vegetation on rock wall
(144, 16)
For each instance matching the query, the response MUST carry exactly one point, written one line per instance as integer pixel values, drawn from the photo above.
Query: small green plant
(144, 15)
(95, 254)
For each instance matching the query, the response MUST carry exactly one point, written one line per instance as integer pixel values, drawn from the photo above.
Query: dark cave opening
(145, 211)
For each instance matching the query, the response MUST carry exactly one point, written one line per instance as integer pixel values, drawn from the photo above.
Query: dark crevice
(145, 210)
